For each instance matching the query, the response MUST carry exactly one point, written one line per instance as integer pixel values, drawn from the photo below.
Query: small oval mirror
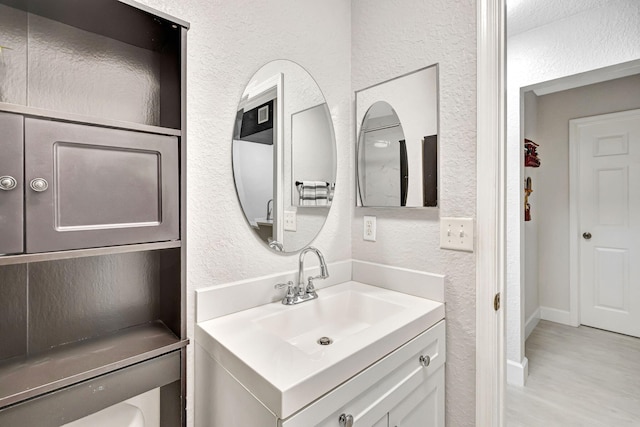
(284, 156)
(382, 158)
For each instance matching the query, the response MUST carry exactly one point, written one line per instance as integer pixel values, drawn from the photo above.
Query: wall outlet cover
(456, 234)
(369, 230)
(290, 221)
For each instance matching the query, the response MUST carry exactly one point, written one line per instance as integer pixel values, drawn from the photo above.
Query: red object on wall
(531, 159)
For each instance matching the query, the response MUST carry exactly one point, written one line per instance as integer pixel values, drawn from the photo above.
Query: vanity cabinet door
(385, 386)
(383, 422)
(89, 186)
(422, 407)
(11, 184)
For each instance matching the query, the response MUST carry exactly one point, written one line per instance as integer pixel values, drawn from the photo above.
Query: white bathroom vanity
(271, 365)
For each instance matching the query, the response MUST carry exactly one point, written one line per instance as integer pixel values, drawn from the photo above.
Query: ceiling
(524, 15)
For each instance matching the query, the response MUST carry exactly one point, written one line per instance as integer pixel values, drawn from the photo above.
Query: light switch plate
(369, 229)
(456, 234)
(290, 221)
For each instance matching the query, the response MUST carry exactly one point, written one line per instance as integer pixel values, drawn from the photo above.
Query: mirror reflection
(284, 156)
(383, 153)
(397, 152)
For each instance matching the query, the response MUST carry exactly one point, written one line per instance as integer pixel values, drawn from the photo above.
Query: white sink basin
(273, 349)
(336, 316)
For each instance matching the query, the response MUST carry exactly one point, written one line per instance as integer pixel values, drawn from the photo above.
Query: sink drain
(325, 341)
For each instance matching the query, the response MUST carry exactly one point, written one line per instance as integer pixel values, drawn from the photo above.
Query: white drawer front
(378, 389)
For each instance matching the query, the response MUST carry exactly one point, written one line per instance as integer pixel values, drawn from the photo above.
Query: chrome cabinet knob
(346, 420)
(39, 185)
(586, 235)
(7, 183)
(425, 361)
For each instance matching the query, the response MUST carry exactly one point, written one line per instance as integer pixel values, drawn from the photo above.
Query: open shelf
(24, 378)
(103, 59)
(87, 120)
(127, 21)
(81, 253)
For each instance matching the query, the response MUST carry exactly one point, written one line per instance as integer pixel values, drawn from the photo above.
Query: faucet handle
(288, 298)
(288, 285)
(311, 290)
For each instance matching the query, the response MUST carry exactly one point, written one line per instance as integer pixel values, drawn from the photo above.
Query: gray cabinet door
(11, 184)
(89, 187)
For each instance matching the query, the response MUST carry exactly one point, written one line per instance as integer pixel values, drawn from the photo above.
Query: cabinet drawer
(371, 394)
(11, 184)
(102, 187)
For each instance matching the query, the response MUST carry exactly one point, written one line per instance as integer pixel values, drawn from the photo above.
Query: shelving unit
(98, 318)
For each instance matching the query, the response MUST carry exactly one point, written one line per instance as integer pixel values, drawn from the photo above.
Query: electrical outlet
(290, 221)
(456, 234)
(369, 232)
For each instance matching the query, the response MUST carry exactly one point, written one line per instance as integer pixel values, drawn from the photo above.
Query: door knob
(39, 185)
(7, 183)
(586, 235)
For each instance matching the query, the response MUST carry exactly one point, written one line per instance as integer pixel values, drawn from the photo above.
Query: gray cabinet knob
(7, 183)
(586, 235)
(346, 420)
(425, 361)
(39, 185)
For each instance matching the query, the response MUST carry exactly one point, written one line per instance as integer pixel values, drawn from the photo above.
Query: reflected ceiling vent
(263, 114)
(256, 124)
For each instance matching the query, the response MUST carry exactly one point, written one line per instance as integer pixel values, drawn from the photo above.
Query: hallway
(577, 377)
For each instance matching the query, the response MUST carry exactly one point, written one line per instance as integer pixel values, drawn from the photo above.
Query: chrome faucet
(309, 291)
(270, 210)
(299, 292)
(275, 245)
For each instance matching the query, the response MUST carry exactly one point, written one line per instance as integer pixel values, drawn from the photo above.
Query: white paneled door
(609, 220)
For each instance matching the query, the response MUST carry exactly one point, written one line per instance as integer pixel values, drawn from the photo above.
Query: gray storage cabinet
(92, 209)
(104, 186)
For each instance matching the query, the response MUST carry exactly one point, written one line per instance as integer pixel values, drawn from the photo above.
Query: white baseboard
(517, 373)
(555, 315)
(531, 323)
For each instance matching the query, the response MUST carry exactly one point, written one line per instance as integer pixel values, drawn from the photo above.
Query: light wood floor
(580, 377)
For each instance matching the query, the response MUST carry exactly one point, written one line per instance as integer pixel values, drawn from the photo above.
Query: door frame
(491, 212)
(574, 215)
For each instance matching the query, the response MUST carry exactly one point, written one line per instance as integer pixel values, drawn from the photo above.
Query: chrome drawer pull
(425, 361)
(346, 420)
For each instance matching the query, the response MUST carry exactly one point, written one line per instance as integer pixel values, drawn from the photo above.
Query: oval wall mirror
(382, 153)
(284, 156)
(397, 152)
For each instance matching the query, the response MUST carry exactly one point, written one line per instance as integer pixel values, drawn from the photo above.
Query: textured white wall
(227, 43)
(391, 38)
(596, 38)
(554, 112)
